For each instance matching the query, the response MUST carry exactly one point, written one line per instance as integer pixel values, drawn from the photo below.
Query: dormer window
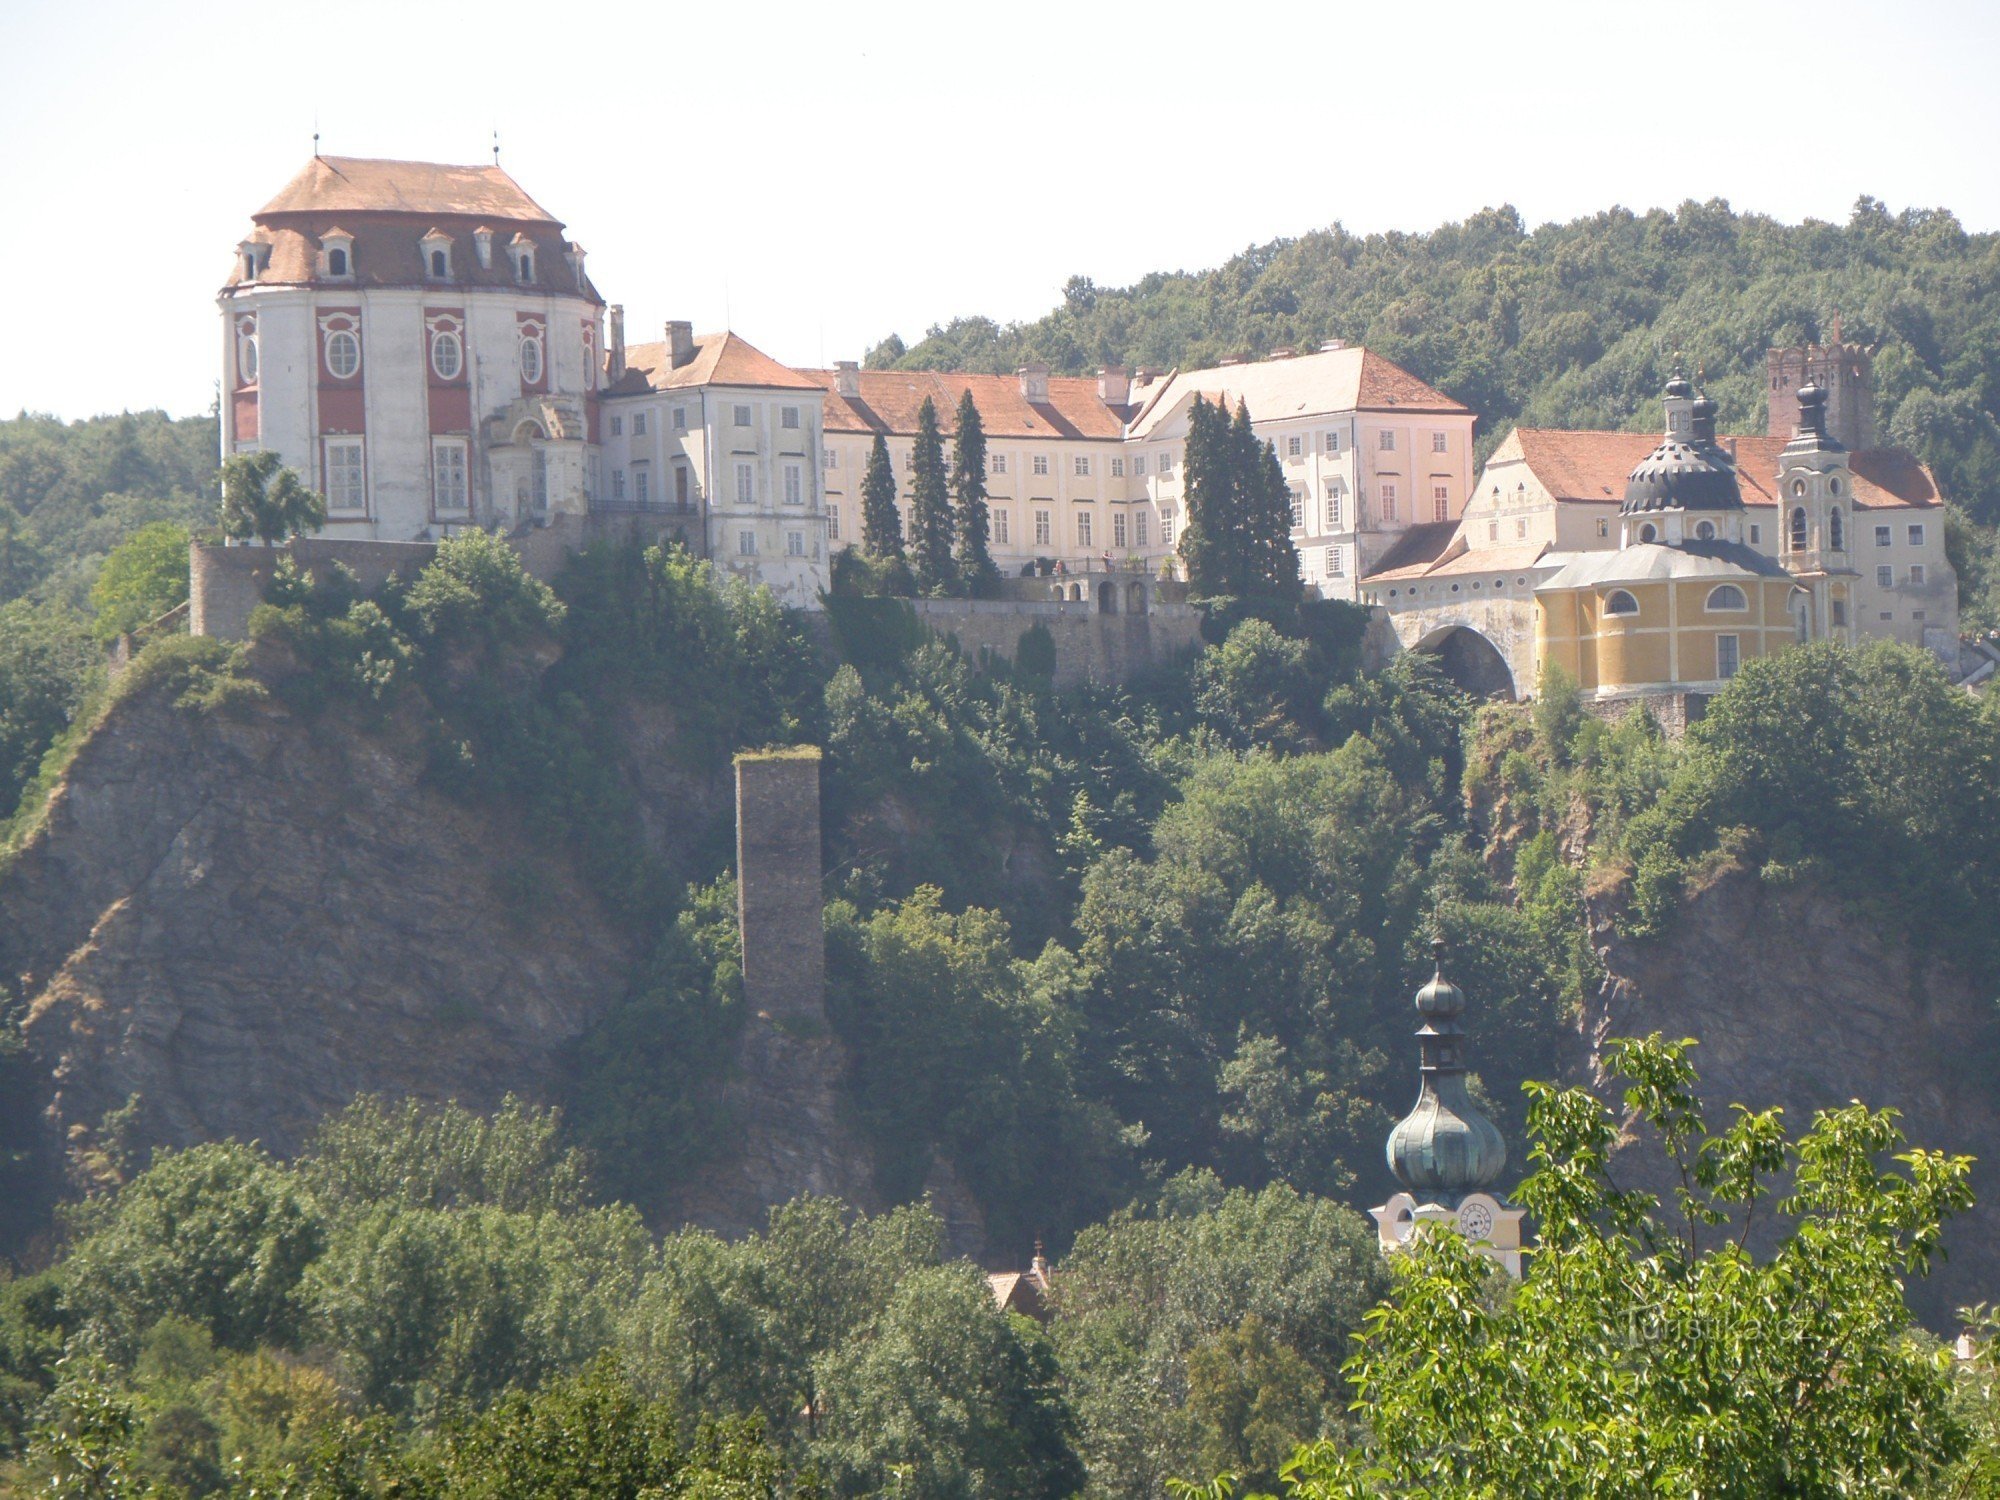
(524, 265)
(336, 254)
(255, 257)
(482, 247)
(436, 251)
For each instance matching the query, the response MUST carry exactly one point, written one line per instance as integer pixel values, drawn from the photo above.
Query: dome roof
(1685, 472)
(1444, 1147)
(1444, 1144)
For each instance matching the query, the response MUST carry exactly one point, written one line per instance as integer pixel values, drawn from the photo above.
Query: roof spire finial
(496, 145)
(315, 134)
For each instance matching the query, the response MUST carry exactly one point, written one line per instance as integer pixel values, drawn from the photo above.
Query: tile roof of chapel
(1592, 466)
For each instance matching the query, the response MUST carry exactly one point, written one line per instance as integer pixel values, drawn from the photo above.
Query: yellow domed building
(1685, 600)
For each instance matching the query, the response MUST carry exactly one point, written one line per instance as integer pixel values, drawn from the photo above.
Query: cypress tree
(968, 488)
(1206, 538)
(1270, 560)
(881, 525)
(930, 507)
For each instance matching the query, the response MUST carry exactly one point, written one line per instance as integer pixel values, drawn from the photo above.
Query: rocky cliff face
(1799, 1000)
(244, 920)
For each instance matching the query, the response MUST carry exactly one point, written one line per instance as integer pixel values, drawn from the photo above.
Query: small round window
(531, 360)
(1621, 603)
(343, 354)
(1649, 533)
(1705, 531)
(447, 356)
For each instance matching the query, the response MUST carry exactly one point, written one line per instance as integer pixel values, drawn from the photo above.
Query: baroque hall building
(420, 342)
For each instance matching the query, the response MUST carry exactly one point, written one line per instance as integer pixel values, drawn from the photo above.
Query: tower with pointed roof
(1815, 522)
(1445, 1152)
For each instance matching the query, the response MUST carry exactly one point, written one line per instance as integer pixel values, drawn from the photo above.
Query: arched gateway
(1470, 660)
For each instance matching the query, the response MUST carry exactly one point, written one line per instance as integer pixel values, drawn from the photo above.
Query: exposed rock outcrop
(1800, 1000)
(246, 919)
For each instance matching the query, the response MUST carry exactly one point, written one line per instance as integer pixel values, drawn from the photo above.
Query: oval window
(343, 354)
(1648, 533)
(1705, 531)
(246, 361)
(1727, 596)
(531, 360)
(1621, 603)
(447, 356)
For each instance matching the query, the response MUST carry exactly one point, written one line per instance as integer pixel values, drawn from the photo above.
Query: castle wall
(226, 583)
(778, 900)
(1091, 645)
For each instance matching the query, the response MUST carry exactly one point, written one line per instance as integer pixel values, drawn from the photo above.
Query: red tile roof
(889, 400)
(353, 184)
(719, 359)
(1592, 466)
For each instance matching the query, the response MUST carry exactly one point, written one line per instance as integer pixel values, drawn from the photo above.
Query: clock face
(1476, 1220)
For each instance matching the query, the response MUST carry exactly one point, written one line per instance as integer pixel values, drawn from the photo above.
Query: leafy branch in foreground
(1650, 1349)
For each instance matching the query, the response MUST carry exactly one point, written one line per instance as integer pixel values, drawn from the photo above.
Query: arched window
(447, 355)
(343, 354)
(1704, 531)
(336, 262)
(1797, 536)
(438, 263)
(1726, 596)
(1619, 602)
(525, 269)
(1836, 532)
(1649, 533)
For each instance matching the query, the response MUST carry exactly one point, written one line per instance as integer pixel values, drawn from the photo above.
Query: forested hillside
(1577, 324)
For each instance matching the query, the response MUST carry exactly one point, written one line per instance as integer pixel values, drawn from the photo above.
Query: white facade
(420, 343)
(741, 464)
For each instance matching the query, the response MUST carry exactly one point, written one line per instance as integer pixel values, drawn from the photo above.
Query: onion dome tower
(1445, 1152)
(1685, 489)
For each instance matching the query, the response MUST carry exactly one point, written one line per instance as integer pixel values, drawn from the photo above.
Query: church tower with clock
(1445, 1152)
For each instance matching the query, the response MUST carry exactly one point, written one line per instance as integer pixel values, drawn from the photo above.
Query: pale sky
(822, 175)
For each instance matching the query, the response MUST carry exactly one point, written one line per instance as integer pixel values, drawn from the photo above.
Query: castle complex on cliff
(424, 344)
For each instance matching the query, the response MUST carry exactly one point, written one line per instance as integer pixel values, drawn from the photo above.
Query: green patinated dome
(1444, 1147)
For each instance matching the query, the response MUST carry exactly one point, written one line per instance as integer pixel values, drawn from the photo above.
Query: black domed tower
(1685, 490)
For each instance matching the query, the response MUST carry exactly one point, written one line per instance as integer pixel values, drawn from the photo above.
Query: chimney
(847, 379)
(1034, 383)
(614, 357)
(1114, 385)
(680, 344)
(1332, 346)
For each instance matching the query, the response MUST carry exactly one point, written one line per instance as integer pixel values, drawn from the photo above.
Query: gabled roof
(354, 184)
(719, 359)
(1593, 466)
(1330, 381)
(889, 400)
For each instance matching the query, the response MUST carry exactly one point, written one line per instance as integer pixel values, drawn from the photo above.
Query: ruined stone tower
(1844, 371)
(778, 905)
